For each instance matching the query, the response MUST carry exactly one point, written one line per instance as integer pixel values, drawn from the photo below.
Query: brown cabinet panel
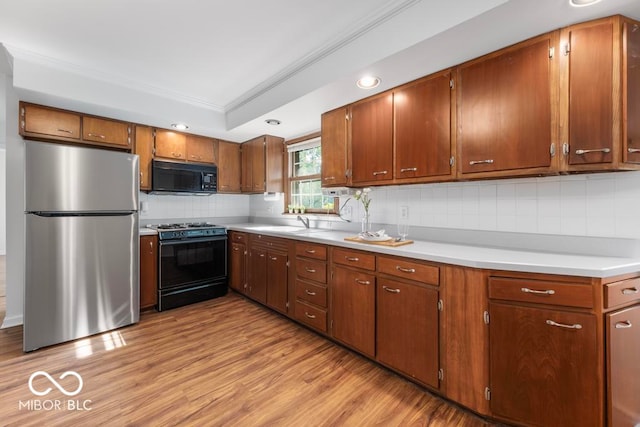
(422, 122)
(257, 275)
(631, 91)
(545, 366)
(237, 236)
(238, 266)
(310, 292)
(623, 292)
(409, 269)
(171, 145)
(353, 304)
(228, 167)
(353, 258)
(262, 165)
(312, 316)
(372, 139)
(311, 270)
(106, 131)
(623, 329)
(200, 149)
(541, 291)
(44, 121)
(144, 149)
(504, 109)
(258, 165)
(148, 271)
(311, 250)
(277, 280)
(334, 147)
(407, 329)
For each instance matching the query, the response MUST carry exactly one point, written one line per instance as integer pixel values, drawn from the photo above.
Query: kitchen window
(305, 189)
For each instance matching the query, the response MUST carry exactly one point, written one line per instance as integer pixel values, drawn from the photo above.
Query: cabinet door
(590, 93)
(623, 369)
(504, 110)
(353, 298)
(144, 149)
(407, 329)
(258, 165)
(238, 267)
(200, 149)
(49, 122)
(334, 147)
(372, 140)
(277, 282)
(544, 366)
(148, 271)
(228, 167)
(170, 145)
(106, 131)
(631, 90)
(422, 113)
(257, 283)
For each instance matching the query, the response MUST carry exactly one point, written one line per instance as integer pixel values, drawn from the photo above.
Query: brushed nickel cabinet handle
(236, 248)
(96, 135)
(376, 173)
(623, 325)
(405, 270)
(308, 292)
(352, 259)
(329, 178)
(65, 131)
(595, 150)
(633, 150)
(176, 154)
(562, 325)
(536, 292)
(310, 316)
(310, 270)
(409, 170)
(392, 290)
(363, 282)
(629, 291)
(273, 258)
(310, 251)
(193, 156)
(481, 162)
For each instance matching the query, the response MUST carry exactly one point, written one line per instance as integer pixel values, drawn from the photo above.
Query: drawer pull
(595, 150)
(623, 325)
(481, 162)
(65, 131)
(409, 170)
(405, 270)
(392, 290)
(236, 249)
(308, 292)
(273, 258)
(97, 135)
(193, 156)
(329, 178)
(533, 291)
(352, 259)
(310, 251)
(376, 173)
(310, 316)
(630, 291)
(633, 150)
(310, 270)
(561, 325)
(363, 282)
(176, 154)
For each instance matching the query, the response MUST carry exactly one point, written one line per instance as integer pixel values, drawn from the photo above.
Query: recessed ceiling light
(368, 82)
(580, 3)
(273, 122)
(179, 126)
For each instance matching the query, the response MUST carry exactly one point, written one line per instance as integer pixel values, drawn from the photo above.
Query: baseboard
(10, 322)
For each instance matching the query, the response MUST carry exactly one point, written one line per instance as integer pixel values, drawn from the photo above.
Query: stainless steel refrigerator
(82, 244)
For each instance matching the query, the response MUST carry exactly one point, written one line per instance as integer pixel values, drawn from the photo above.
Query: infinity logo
(55, 383)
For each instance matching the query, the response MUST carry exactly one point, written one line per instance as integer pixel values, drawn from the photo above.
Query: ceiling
(223, 67)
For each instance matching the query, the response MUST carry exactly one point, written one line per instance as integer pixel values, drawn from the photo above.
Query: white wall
(3, 201)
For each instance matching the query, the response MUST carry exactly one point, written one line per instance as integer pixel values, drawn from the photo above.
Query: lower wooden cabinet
(238, 266)
(268, 272)
(148, 272)
(310, 288)
(407, 329)
(277, 272)
(257, 277)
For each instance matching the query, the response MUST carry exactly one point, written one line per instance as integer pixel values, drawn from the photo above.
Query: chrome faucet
(304, 220)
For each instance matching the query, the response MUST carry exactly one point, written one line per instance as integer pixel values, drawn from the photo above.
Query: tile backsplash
(170, 207)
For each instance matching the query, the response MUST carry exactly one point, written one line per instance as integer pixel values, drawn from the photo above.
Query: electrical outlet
(404, 212)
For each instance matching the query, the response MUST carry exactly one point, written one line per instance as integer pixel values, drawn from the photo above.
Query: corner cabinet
(229, 162)
(263, 165)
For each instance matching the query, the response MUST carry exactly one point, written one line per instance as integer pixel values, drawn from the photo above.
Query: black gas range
(192, 264)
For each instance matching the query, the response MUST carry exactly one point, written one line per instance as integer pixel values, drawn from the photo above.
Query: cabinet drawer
(312, 316)
(106, 131)
(354, 259)
(309, 250)
(237, 237)
(623, 292)
(46, 121)
(312, 270)
(409, 269)
(269, 242)
(541, 291)
(309, 292)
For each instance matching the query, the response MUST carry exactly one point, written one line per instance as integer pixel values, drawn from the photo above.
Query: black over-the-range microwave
(175, 177)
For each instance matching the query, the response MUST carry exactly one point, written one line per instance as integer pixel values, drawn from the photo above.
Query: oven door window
(189, 262)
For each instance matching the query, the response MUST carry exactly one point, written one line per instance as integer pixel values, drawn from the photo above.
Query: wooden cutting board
(390, 243)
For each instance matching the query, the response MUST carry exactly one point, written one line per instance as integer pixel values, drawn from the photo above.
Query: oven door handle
(192, 240)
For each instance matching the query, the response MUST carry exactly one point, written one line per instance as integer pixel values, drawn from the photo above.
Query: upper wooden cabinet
(371, 137)
(228, 167)
(170, 144)
(200, 149)
(144, 150)
(504, 110)
(334, 147)
(262, 165)
(600, 95)
(51, 124)
(422, 123)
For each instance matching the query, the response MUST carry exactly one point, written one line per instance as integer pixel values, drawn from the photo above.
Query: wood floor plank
(224, 362)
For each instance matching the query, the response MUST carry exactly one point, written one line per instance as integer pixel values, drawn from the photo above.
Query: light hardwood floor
(223, 362)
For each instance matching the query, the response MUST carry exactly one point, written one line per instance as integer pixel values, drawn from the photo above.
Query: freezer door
(62, 178)
(81, 277)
